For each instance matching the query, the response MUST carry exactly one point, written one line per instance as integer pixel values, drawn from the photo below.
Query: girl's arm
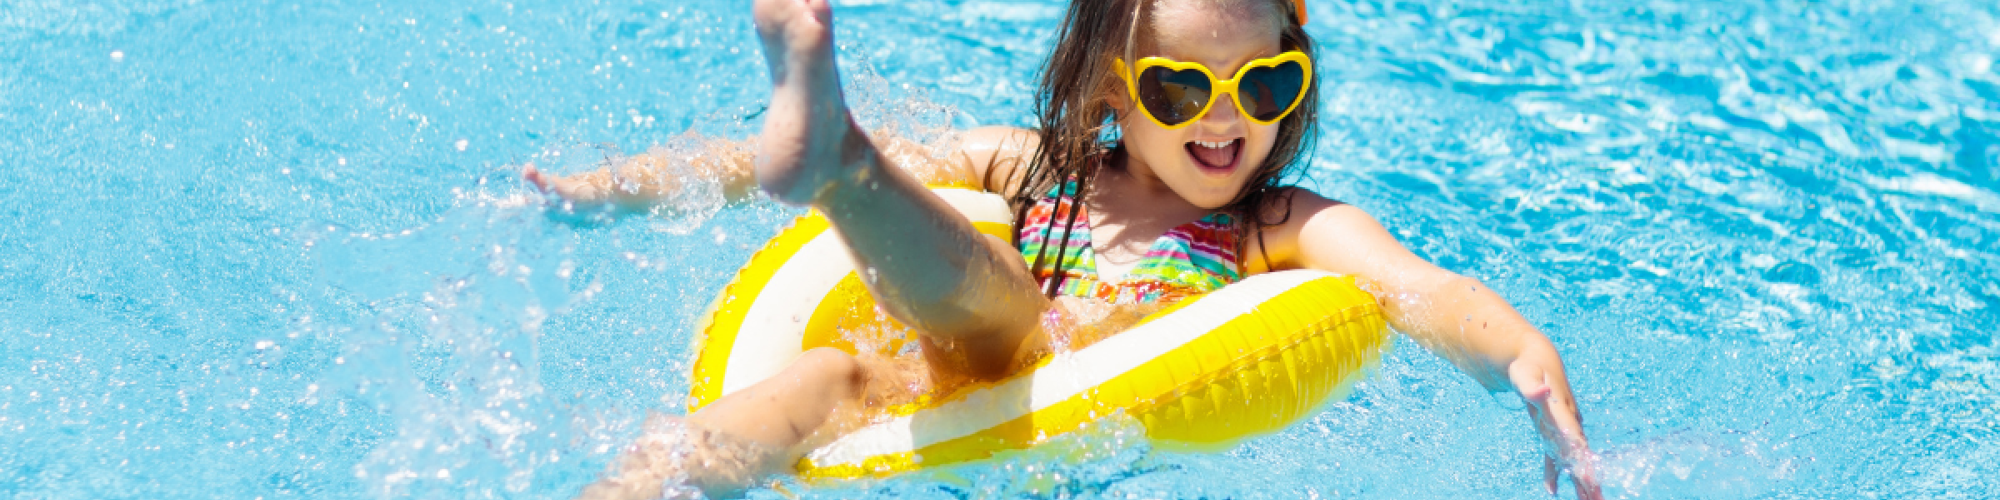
(639, 182)
(1452, 315)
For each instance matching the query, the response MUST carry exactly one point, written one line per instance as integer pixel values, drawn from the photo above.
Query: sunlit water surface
(267, 249)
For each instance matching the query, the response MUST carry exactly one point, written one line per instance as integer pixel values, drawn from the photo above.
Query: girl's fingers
(1550, 473)
(1562, 428)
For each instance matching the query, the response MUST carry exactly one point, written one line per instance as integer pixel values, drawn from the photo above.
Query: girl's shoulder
(1307, 229)
(1290, 207)
(1325, 234)
(995, 158)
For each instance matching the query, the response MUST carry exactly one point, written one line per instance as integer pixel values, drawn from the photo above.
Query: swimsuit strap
(1192, 258)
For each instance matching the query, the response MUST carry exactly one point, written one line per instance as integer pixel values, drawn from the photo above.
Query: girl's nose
(1223, 113)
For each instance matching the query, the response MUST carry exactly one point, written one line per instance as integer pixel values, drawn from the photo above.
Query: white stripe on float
(774, 327)
(1066, 376)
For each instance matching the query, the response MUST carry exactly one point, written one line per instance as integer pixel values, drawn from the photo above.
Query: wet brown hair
(1075, 117)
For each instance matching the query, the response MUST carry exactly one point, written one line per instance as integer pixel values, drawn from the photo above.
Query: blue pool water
(263, 249)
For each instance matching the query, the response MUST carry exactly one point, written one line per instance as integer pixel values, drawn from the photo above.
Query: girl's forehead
(1212, 30)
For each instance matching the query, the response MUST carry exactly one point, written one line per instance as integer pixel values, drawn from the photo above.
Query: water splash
(700, 194)
(445, 343)
(1699, 465)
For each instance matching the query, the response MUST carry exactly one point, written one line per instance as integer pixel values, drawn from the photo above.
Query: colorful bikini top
(1193, 258)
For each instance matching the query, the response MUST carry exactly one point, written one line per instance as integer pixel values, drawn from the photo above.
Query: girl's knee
(836, 366)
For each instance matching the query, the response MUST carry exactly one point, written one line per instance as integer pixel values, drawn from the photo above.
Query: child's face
(1222, 38)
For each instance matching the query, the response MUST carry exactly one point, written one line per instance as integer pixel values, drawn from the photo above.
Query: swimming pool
(272, 249)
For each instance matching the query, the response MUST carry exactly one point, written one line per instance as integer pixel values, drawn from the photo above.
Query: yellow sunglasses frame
(1220, 87)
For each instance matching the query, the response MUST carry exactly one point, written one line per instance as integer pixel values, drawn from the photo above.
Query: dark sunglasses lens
(1174, 97)
(1267, 91)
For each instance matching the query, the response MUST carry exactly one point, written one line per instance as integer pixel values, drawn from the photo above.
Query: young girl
(1209, 101)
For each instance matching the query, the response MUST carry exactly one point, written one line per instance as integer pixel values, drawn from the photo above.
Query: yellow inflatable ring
(1200, 375)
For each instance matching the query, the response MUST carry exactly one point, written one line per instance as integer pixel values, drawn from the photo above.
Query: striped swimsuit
(1193, 258)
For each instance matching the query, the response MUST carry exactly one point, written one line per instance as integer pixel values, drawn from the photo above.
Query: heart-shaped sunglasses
(1174, 93)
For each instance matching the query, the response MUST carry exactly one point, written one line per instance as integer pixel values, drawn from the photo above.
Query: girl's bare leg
(750, 433)
(926, 265)
(782, 410)
(969, 294)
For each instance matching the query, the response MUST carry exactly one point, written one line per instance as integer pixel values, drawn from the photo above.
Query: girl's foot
(809, 139)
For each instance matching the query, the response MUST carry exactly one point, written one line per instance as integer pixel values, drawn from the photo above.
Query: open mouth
(1220, 156)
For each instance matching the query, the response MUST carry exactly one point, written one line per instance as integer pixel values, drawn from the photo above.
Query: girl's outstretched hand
(642, 182)
(570, 189)
(584, 200)
(1562, 432)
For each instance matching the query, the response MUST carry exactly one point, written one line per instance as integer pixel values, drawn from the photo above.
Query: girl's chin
(1210, 193)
